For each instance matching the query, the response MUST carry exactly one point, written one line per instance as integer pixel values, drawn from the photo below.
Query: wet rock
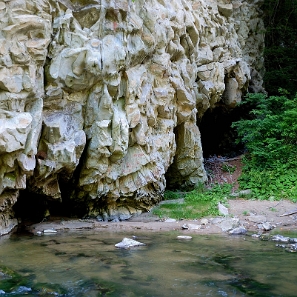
(280, 238)
(228, 224)
(293, 240)
(22, 290)
(292, 248)
(49, 231)
(128, 243)
(238, 231)
(184, 237)
(267, 226)
(185, 226)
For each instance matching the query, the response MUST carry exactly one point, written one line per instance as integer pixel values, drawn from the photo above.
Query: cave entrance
(217, 136)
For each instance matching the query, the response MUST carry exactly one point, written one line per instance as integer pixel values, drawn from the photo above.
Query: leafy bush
(170, 195)
(270, 136)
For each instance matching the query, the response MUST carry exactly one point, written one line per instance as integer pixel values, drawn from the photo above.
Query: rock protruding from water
(127, 243)
(238, 231)
(288, 243)
(184, 237)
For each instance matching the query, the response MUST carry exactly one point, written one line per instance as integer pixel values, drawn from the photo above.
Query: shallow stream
(88, 264)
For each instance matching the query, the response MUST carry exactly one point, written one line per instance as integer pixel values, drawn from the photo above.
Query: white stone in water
(128, 242)
(49, 231)
(185, 237)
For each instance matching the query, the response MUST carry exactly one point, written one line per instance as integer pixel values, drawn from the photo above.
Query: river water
(88, 264)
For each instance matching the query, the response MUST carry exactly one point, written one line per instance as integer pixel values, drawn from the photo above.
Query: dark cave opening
(217, 136)
(34, 207)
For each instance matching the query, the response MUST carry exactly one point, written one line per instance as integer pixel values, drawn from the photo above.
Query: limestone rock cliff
(99, 99)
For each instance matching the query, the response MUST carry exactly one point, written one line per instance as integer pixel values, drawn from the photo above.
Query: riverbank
(253, 215)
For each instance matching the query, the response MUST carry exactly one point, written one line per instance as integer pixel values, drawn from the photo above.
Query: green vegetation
(280, 17)
(198, 203)
(270, 136)
(171, 195)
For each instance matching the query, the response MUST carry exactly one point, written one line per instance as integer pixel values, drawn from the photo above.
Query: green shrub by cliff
(270, 136)
(280, 45)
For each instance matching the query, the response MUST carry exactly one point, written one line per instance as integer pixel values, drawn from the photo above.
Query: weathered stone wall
(99, 99)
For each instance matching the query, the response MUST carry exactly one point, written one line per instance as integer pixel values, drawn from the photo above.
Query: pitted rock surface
(99, 99)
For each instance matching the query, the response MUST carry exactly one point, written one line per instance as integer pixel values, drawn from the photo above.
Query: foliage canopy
(280, 17)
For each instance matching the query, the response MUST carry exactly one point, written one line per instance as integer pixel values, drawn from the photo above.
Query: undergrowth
(198, 203)
(270, 136)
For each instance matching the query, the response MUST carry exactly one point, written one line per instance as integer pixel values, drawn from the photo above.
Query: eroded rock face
(99, 99)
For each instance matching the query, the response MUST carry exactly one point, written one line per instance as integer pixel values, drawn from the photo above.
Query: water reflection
(88, 264)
